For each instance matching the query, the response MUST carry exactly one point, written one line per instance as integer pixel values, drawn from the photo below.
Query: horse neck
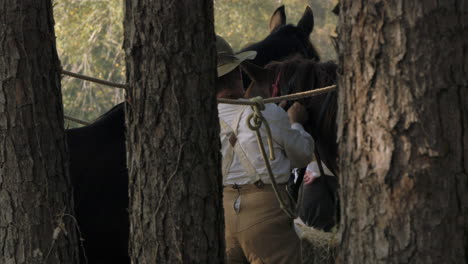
(321, 108)
(114, 118)
(112, 123)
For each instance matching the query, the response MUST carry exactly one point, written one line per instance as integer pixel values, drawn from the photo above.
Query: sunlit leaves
(89, 41)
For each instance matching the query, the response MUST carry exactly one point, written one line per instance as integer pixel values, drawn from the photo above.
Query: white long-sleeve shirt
(293, 146)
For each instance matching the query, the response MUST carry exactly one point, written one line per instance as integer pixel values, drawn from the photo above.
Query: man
(257, 230)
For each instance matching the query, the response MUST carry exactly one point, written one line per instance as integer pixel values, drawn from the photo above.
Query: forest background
(90, 35)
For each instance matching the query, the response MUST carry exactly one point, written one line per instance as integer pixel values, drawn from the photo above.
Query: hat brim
(239, 58)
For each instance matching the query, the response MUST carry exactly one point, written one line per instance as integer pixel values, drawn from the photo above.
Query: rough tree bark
(35, 191)
(403, 131)
(175, 191)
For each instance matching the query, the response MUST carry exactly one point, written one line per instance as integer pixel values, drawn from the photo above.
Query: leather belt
(259, 184)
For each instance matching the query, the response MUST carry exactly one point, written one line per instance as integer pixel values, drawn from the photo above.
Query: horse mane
(109, 114)
(112, 119)
(307, 74)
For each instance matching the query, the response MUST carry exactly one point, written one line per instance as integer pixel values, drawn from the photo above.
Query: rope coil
(258, 121)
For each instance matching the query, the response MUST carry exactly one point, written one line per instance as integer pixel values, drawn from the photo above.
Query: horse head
(284, 40)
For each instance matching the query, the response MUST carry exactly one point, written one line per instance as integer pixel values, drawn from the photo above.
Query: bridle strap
(277, 91)
(276, 86)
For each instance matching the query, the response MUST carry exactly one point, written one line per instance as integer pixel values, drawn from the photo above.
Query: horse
(295, 75)
(100, 185)
(284, 40)
(98, 156)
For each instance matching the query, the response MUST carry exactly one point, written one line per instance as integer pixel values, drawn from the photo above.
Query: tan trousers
(258, 231)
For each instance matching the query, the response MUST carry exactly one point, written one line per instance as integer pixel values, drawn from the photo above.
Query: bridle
(285, 90)
(275, 86)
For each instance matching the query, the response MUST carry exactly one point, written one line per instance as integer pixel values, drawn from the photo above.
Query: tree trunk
(175, 184)
(35, 192)
(403, 131)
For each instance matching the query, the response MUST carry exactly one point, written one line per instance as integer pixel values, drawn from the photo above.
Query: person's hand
(308, 177)
(297, 113)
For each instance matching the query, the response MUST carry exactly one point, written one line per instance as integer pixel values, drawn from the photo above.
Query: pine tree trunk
(35, 192)
(175, 184)
(403, 131)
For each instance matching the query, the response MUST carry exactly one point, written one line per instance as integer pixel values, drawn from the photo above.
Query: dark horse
(100, 183)
(297, 75)
(284, 40)
(98, 155)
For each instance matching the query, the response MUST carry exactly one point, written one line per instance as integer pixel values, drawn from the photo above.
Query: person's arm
(296, 142)
(312, 173)
(298, 145)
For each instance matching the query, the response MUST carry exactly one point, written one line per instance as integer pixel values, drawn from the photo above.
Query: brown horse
(320, 202)
(298, 75)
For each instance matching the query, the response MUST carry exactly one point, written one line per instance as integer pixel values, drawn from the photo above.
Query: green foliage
(89, 41)
(90, 35)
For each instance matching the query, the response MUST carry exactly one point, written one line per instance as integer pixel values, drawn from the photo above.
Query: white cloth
(292, 144)
(314, 170)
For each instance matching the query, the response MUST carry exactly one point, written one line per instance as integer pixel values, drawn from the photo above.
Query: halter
(277, 91)
(275, 86)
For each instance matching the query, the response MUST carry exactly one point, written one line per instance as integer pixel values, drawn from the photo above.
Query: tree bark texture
(173, 143)
(403, 131)
(36, 225)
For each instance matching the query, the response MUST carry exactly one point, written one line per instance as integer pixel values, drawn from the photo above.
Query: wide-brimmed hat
(227, 59)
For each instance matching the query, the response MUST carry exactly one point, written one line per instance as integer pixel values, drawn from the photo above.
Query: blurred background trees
(90, 34)
(242, 22)
(89, 41)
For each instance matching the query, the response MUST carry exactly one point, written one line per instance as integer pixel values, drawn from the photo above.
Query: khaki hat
(227, 60)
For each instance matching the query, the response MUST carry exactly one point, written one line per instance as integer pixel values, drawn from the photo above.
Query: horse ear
(306, 24)
(278, 18)
(255, 72)
(336, 10)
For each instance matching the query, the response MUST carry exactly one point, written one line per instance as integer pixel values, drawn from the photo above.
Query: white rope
(278, 99)
(288, 97)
